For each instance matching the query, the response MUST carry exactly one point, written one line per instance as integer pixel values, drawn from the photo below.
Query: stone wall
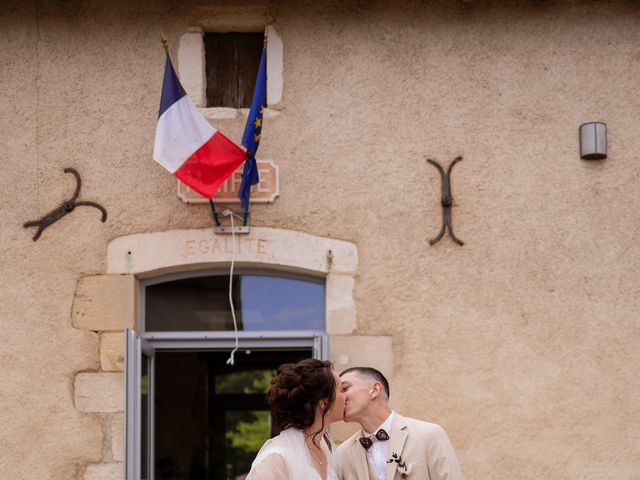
(106, 306)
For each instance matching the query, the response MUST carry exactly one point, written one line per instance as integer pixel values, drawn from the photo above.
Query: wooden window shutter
(232, 61)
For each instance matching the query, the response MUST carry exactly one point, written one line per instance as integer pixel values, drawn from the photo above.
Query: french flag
(187, 145)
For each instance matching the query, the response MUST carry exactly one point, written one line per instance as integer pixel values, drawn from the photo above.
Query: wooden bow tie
(380, 435)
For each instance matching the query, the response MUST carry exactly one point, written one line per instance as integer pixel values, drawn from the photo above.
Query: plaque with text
(265, 191)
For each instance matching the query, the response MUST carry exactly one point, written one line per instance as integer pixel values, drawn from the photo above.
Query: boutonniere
(404, 468)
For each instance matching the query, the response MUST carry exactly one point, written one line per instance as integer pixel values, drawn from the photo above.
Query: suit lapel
(360, 460)
(397, 438)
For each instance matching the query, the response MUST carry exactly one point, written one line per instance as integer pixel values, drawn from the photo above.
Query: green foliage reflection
(249, 436)
(246, 431)
(252, 381)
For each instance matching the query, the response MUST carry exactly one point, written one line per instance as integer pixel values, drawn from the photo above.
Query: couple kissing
(306, 397)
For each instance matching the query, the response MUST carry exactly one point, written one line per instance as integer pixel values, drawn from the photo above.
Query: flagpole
(246, 212)
(245, 218)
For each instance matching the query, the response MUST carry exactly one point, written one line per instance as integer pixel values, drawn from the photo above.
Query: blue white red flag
(253, 132)
(187, 145)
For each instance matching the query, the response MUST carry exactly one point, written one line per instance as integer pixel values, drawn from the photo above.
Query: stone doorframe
(152, 254)
(107, 304)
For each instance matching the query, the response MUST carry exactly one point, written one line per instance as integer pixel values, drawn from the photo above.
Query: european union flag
(252, 132)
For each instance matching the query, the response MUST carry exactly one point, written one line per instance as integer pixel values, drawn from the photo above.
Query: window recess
(232, 61)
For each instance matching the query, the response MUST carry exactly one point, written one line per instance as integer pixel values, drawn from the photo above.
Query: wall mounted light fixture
(593, 141)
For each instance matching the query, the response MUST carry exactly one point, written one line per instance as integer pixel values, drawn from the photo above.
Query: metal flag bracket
(219, 228)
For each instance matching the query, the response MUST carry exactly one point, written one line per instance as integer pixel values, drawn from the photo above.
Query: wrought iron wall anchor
(447, 202)
(62, 210)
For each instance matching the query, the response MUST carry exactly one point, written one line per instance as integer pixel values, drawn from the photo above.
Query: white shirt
(378, 454)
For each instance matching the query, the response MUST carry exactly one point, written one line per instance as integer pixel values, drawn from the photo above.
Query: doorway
(189, 414)
(212, 418)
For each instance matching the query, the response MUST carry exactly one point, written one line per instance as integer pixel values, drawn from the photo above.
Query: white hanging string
(229, 213)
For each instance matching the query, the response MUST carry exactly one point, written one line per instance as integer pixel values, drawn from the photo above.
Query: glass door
(211, 418)
(190, 416)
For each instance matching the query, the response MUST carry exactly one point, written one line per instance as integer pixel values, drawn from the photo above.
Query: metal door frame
(147, 343)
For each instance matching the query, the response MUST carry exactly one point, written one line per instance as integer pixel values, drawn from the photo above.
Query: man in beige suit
(390, 446)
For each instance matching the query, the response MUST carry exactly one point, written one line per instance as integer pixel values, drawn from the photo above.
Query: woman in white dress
(305, 398)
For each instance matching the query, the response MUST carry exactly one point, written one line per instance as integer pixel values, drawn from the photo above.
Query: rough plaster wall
(42, 434)
(523, 342)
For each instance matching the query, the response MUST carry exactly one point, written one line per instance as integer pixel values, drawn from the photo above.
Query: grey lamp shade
(593, 141)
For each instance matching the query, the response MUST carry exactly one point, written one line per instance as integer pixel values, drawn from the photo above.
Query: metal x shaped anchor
(62, 210)
(447, 202)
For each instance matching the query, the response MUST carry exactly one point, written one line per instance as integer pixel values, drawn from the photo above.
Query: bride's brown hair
(296, 390)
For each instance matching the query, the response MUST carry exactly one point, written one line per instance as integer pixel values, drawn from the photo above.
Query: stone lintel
(232, 18)
(151, 253)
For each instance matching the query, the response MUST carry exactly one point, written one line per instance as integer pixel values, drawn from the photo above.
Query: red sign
(264, 192)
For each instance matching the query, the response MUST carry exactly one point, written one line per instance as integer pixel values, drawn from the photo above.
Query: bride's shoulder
(285, 451)
(290, 435)
(285, 441)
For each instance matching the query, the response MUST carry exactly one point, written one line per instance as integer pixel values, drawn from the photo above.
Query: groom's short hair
(373, 374)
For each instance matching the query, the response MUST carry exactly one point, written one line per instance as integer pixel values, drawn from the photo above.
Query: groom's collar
(386, 426)
(399, 422)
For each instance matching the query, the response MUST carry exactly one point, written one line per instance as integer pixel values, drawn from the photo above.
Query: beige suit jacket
(425, 447)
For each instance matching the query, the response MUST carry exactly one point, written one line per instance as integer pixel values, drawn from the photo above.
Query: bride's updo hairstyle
(295, 392)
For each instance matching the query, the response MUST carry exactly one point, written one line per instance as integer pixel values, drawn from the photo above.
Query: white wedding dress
(286, 457)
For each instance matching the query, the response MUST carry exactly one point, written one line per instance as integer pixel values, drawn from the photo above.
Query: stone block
(341, 310)
(233, 18)
(112, 352)
(105, 471)
(105, 302)
(347, 351)
(274, 66)
(99, 392)
(191, 64)
(118, 438)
